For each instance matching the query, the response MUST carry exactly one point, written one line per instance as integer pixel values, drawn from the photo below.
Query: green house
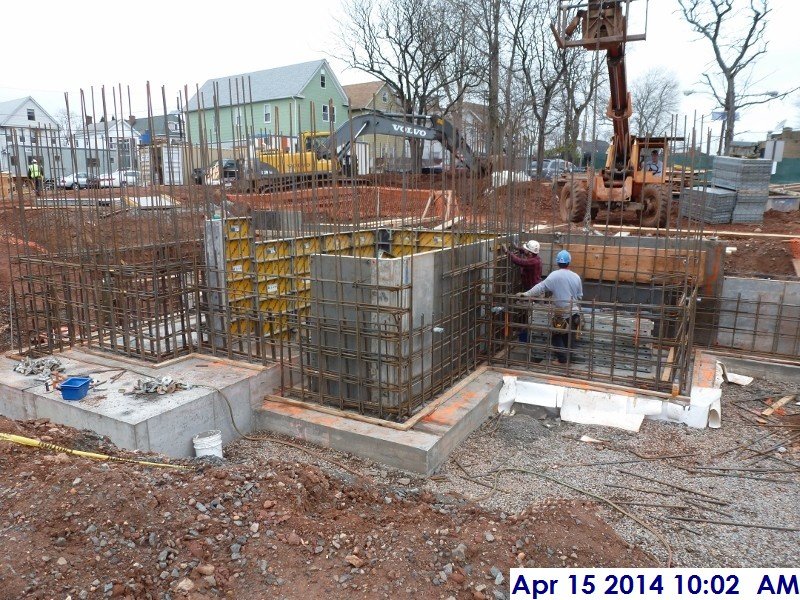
(269, 104)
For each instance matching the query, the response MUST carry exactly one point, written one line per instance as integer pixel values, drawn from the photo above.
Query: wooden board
(642, 265)
(782, 402)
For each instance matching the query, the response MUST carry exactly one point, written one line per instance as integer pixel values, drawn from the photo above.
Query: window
(322, 80)
(92, 162)
(31, 114)
(238, 119)
(267, 114)
(385, 96)
(326, 116)
(57, 157)
(172, 126)
(33, 137)
(13, 161)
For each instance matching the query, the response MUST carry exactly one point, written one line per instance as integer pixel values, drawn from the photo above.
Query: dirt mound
(261, 529)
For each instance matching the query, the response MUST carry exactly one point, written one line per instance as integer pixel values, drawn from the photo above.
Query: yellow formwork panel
(241, 286)
(237, 228)
(302, 284)
(403, 250)
(306, 245)
(302, 266)
(238, 268)
(270, 287)
(435, 239)
(278, 266)
(245, 306)
(273, 249)
(337, 242)
(275, 327)
(363, 238)
(365, 251)
(404, 238)
(237, 248)
(242, 327)
(274, 306)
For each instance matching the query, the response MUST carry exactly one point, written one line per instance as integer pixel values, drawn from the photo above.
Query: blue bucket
(75, 388)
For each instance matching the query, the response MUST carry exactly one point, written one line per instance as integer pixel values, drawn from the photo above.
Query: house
(472, 119)
(28, 131)
(108, 145)
(382, 150)
(273, 105)
(159, 128)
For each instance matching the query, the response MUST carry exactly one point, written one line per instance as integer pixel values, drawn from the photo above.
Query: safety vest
(33, 171)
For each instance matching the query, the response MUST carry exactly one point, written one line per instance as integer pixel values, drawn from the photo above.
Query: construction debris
(43, 367)
(161, 386)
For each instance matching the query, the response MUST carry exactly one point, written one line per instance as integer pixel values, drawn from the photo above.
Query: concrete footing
(152, 422)
(422, 448)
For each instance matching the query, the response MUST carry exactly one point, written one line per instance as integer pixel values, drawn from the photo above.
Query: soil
(263, 528)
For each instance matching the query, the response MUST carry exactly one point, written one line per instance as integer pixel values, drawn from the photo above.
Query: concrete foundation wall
(760, 315)
(383, 312)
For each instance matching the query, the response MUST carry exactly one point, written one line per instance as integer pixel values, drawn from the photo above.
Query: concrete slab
(155, 423)
(420, 449)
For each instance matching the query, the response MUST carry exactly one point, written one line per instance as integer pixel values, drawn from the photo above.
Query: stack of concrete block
(710, 205)
(750, 179)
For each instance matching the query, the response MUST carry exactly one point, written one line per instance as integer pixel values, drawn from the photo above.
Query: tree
(543, 66)
(402, 44)
(735, 29)
(655, 99)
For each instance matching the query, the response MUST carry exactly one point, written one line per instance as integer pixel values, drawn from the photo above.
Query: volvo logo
(410, 131)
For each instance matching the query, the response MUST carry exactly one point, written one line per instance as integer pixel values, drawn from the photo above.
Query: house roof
(156, 126)
(270, 84)
(8, 108)
(362, 94)
(116, 128)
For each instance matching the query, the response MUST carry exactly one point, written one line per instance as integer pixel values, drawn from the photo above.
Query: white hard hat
(34, 161)
(531, 246)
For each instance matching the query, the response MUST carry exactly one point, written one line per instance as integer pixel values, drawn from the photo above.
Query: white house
(27, 131)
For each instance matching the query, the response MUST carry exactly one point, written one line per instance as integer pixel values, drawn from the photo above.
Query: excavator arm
(375, 122)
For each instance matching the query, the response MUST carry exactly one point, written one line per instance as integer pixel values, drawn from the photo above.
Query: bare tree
(402, 44)
(655, 100)
(735, 29)
(543, 65)
(582, 76)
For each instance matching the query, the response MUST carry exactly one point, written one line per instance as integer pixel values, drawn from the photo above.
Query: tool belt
(565, 322)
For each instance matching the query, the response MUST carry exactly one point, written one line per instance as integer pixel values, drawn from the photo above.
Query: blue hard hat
(563, 258)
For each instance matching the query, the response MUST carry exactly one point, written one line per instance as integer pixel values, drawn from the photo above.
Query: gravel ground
(552, 447)
(547, 445)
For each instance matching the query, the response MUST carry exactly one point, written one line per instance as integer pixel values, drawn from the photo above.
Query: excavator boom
(375, 122)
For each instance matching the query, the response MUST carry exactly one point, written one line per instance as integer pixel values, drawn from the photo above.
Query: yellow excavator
(633, 178)
(320, 153)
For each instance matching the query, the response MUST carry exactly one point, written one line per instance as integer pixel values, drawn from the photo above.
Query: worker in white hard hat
(526, 257)
(35, 175)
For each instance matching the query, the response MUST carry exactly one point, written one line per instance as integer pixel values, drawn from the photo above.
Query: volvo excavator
(320, 153)
(625, 182)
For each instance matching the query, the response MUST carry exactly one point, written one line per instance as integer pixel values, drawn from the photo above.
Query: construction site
(294, 373)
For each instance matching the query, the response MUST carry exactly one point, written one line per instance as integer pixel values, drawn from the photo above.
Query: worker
(35, 175)
(566, 289)
(530, 268)
(654, 165)
(527, 259)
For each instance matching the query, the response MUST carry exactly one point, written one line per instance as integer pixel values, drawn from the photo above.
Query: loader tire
(654, 213)
(574, 201)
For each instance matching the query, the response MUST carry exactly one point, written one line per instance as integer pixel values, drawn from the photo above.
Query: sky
(82, 44)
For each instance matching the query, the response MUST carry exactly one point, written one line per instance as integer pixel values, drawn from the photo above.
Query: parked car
(119, 179)
(534, 164)
(80, 180)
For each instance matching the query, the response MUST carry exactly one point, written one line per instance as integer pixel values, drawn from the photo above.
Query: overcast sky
(58, 46)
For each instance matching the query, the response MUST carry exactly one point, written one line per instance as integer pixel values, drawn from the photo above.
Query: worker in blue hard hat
(566, 289)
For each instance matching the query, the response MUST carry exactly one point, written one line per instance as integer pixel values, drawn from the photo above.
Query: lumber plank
(782, 402)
